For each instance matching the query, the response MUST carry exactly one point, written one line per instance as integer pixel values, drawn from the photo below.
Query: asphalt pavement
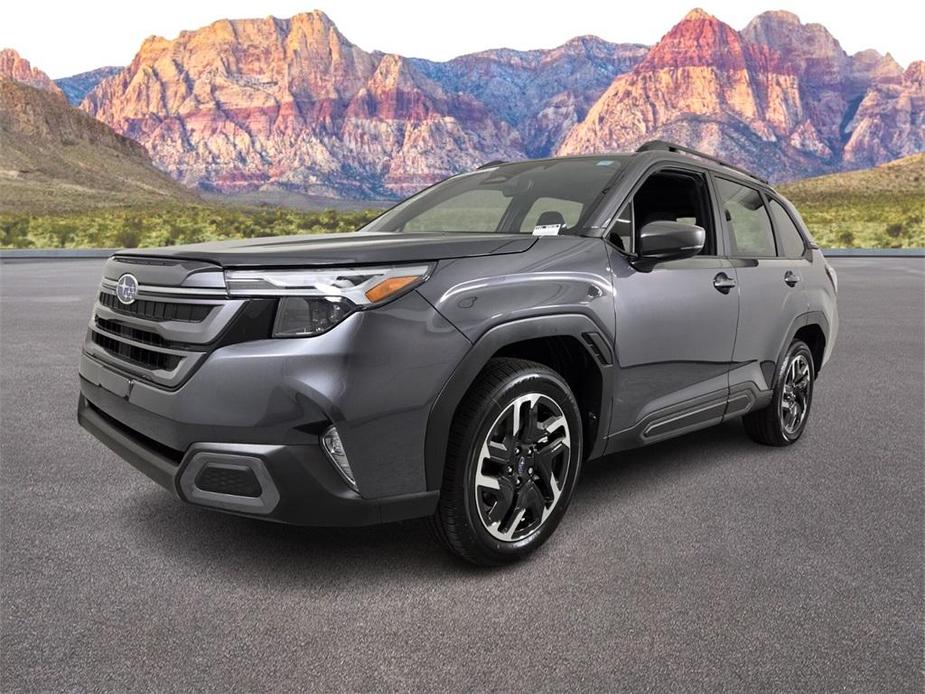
(705, 563)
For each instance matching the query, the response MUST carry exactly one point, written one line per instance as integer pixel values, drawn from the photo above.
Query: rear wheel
(782, 422)
(513, 459)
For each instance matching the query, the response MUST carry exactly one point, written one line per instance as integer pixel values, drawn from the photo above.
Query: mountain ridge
(16, 68)
(56, 157)
(773, 98)
(292, 105)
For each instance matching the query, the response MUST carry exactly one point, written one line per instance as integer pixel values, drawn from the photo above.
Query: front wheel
(512, 462)
(782, 422)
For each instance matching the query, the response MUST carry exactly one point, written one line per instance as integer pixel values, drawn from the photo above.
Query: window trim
(727, 232)
(772, 197)
(659, 167)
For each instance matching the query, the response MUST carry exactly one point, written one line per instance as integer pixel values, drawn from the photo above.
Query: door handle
(791, 279)
(723, 283)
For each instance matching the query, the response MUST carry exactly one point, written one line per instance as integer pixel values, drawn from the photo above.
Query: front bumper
(265, 403)
(299, 486)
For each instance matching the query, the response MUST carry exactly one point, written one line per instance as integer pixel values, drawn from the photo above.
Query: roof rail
(661, 145)
(489, 164)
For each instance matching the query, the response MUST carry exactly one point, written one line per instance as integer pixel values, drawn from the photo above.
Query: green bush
(151, 227)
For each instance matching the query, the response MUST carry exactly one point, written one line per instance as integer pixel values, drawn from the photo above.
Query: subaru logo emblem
(127, 289)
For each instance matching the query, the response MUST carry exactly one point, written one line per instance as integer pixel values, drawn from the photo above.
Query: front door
(675, 322)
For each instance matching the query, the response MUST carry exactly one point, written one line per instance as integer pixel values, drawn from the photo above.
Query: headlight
(314, 301)
(305, 316)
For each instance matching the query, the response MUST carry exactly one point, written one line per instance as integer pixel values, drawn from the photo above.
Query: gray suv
(461, 356)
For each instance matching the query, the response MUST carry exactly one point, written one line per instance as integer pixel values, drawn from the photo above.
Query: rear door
(769, 283)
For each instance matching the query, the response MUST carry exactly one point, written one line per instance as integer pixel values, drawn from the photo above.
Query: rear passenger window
(747, 220)
(788, 236)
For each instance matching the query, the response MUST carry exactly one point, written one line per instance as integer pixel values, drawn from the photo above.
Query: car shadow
(236, 549)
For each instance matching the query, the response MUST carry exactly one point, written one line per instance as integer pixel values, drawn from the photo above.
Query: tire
(505, 490)
(783, 421)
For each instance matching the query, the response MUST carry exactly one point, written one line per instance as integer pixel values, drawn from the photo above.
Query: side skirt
(698, 413)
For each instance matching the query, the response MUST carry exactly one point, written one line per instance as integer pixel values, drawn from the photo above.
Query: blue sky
(64, 38)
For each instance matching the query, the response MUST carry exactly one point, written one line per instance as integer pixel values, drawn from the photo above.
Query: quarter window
(788, 235)
(747, 220)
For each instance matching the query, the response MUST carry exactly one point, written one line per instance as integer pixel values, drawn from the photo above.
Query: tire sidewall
(550, 385)
(796, 348)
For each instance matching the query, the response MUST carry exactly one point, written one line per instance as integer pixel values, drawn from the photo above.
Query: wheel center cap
(521, 465)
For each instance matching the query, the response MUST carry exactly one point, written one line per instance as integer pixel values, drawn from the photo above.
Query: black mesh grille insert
(136, 355)
(131, 333)
(240, 481)
(157, 310)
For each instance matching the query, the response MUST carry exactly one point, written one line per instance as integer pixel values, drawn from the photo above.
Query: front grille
(139, 356)
(131, 333)
(239, 481)
(157, 310)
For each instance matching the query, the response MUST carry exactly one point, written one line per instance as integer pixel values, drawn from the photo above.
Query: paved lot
(706, 563)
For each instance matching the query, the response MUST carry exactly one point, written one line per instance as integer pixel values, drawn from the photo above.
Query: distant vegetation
(883, 207)
(167, 225)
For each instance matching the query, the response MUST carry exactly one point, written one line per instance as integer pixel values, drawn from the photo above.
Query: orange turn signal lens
(388, 287)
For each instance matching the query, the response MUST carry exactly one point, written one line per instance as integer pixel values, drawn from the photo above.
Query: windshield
(538, 197)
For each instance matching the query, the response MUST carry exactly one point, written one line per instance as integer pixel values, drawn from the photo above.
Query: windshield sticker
(547, 229)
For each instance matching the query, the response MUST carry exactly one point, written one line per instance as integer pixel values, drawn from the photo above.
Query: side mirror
(659, 241)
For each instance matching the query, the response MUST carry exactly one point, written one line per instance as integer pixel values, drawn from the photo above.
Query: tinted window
(747, 220)
(551, 211)
(510, 198)
(673, 196)
(788, 236)
(472, 210)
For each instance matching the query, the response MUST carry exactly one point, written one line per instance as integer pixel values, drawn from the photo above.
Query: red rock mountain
(292, 104)
(890, 120)
(17, 69)
(779, 97)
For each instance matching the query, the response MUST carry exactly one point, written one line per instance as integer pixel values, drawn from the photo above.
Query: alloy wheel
(794, 402)
(522, 467)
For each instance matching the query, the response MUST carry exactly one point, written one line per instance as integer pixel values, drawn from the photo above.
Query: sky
(65, 38)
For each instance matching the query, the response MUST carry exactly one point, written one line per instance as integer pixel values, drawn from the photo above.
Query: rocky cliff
(291, 104)
(778, 97)
(76, 87)
(55, 157)
(16, 68)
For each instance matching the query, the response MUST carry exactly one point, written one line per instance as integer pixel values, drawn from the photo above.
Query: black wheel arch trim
(536, 327)
(802, 321)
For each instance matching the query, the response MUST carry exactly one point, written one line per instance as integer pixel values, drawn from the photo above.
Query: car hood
(344, 249)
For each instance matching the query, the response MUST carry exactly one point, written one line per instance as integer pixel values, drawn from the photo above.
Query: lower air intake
(229, 479)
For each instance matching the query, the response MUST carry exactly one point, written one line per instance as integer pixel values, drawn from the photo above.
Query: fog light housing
(334, 449)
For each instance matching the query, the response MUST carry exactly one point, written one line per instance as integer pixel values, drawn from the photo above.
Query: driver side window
(676, 196)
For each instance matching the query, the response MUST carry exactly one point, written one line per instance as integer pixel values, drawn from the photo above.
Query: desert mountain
(55, 157)
(76, 87)
(890, 120)
(779, 97)
(14, 67)
(291, 103)
(541, 93)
